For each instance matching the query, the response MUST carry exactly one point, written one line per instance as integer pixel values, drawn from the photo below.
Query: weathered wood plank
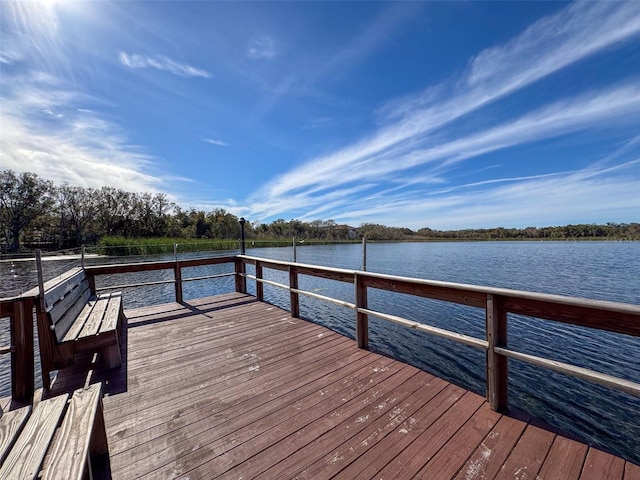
(202, 389)
(488, 458)
(59, 295)
(78, 324)
(354, 434)
(225, 390)
(92, 325)
(69, 452)
(564, 460)
(431, 440)
(112, 315)
(390, 450)
(527, 456)
(303, 444)
(300, 430)
(631, 471)
(313, 399)
(11, 424)
(602, 466)
(5, 403)
(233, 402)
(454, 454)
(25, 459)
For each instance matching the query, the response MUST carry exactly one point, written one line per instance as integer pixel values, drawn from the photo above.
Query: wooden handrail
(497, 302)
(175, 265)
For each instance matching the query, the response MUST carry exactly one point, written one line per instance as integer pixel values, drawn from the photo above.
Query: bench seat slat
(67, 320)
(70, 449)
(92, 325)
(11, 424)
(112, 314)
(57, 288)
(26, 456)
(78, 324)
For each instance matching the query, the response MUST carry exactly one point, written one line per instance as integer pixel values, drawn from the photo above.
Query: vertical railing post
(177, 274)
(364, 253)
(294, 296)
(22, 363)
(259, 285)
(91, 278)
(362, 319)
(40, 274)
(82, 256)
(295, 255)
(497, 365)
(177, 277)
(241, 280)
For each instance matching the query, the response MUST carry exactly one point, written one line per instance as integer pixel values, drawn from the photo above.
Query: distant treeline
(36, 212)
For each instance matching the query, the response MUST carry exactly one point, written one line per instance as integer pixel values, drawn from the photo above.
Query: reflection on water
(598, 270)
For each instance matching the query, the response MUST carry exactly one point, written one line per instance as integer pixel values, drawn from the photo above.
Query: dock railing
(496, 302)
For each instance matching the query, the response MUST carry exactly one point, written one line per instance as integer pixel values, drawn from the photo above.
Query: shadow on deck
(231, 387)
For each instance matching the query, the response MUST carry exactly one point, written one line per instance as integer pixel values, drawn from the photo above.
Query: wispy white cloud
(262, 47)
(30, 34)
(50, 126)
(416, 129)
(620, 105)
(161, 62)
(568, 197)
(46, 128)
(212, 141)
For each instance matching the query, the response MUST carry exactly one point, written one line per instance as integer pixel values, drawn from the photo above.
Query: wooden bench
(72, 319)
(60, 438)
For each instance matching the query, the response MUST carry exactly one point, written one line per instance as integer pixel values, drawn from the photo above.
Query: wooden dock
(230, 387)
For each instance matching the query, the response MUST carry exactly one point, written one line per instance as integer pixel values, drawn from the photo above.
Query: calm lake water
(597, 270)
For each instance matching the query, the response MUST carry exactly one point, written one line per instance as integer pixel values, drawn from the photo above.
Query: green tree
(23, 198)
(77, 207)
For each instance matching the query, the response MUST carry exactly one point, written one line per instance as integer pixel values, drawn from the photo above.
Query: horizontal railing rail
(496, 302)
(176, 265)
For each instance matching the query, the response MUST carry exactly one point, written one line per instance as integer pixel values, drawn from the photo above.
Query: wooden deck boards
(228, 387)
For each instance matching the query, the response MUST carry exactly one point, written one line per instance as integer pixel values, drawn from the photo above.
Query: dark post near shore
(242, 242)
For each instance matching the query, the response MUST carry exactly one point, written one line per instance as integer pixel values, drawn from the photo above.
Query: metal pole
(364, 253)
(242, 242)
(82, 257)
(175, 252)
(295, 256)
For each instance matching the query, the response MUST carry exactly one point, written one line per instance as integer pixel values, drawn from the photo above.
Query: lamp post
(242, 243)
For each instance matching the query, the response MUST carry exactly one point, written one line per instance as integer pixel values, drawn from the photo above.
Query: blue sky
(445, 115)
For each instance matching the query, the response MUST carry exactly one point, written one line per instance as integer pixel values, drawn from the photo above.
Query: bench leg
(111, 355)
(46, 376)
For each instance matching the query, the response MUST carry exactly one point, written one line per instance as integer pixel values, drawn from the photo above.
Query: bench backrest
(64, 299)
